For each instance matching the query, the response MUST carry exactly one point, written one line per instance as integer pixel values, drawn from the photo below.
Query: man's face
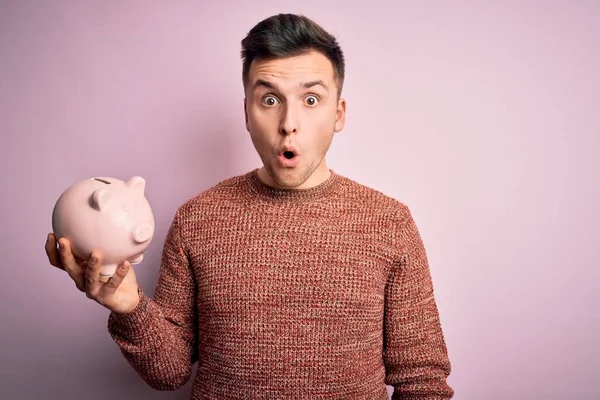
(292, 104)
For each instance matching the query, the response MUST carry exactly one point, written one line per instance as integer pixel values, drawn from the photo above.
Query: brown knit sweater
(323, 293)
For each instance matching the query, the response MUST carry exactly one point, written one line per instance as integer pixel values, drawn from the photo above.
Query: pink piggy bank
(106, 215)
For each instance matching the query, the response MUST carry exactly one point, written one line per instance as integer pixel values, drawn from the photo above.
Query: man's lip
(287, 163)
(289, 148)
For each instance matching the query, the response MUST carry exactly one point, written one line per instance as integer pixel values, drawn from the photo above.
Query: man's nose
(289, 122)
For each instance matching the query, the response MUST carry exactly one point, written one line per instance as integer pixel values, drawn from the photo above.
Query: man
(290, 281)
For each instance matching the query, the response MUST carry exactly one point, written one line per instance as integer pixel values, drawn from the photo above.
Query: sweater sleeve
(158, 337)
(415, 354)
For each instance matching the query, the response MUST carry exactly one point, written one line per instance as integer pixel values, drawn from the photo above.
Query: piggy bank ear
(99, 199)
(136, 183)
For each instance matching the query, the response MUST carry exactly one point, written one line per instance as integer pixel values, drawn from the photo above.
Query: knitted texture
(322, 293)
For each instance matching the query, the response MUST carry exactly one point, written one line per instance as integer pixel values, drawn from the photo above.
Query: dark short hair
(286, 35)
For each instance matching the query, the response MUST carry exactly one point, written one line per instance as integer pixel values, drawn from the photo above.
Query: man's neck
(320, 175)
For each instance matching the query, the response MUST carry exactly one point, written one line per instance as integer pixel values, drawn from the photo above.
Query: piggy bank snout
(142, 232)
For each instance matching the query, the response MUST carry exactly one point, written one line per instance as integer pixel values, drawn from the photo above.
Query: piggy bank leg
(108, 270)
(137, 259)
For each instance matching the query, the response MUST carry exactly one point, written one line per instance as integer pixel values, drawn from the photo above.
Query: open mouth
(289, 154)
(288, 158)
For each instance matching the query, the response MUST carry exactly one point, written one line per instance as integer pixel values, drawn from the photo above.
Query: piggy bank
(107, 215)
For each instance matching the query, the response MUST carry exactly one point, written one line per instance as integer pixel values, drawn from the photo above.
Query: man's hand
(119, 293)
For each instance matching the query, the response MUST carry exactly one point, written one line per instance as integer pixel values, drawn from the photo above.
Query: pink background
(483, 117)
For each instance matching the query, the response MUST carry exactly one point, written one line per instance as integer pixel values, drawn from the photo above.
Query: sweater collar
(259, 188)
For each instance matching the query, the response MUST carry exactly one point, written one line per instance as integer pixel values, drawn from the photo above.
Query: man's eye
(270, 101)
(312, 100)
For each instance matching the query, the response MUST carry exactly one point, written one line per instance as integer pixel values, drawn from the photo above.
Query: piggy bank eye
(136, 204)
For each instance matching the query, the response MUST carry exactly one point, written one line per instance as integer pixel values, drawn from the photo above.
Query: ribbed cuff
(133, 324)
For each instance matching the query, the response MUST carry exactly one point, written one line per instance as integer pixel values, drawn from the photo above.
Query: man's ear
(246, 115)
(340, 115)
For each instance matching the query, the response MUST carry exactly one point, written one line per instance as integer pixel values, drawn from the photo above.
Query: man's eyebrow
(310, 84)
(267, 84)
(306, 85)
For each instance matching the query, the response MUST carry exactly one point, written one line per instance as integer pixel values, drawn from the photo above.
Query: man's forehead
(295, 71)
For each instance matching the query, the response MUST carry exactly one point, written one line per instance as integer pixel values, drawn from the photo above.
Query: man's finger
(69, 263)
(52, 252)
(80, 261)
(113, 283)
(92, 276)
